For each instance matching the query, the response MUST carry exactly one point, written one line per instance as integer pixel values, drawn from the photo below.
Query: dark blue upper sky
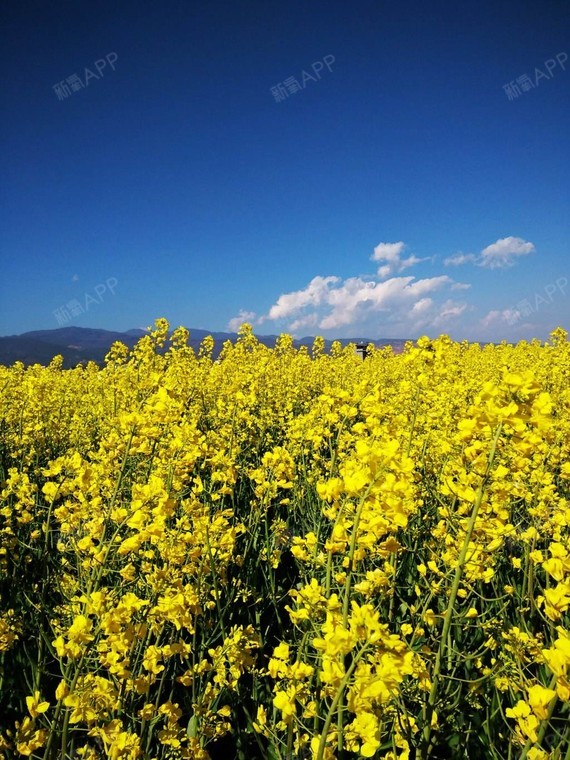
(414, 181)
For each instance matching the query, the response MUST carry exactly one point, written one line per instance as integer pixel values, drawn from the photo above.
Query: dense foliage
(287, 554)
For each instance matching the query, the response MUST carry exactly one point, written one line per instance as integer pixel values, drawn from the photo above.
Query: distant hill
(83, 344)
(75, 344)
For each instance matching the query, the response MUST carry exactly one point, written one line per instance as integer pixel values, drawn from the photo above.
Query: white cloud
(500, 254)
(452, 309)
(448, 311)
(492, 317)
(355, 300)
(500, 317)
(422, 306)
(503, 252)
(419, 287)
(236, 322)
(460, 286)
(289, 304)
(310, 320)
(460, 258)
(390, 253)
(390, 303)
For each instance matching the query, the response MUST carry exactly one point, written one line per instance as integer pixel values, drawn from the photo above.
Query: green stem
(428, 714)
(335, 702)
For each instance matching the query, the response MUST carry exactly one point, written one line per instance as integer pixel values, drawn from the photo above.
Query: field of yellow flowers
(286, 553)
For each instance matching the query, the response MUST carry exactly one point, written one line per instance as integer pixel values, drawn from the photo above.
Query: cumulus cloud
(389, 303)
(336, 303)
(504, 252)
(390, 254)
(289, 304)
(357, 298)
(419, 287)
(243, 316)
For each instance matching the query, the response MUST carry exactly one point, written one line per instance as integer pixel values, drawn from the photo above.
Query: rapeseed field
(286, 553)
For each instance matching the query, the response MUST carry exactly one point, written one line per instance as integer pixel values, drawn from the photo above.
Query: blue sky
(367, 169)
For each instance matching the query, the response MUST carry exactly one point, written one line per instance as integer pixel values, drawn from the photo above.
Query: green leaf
(192, 729)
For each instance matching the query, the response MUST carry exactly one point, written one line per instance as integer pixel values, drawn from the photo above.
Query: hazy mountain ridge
(83, 344)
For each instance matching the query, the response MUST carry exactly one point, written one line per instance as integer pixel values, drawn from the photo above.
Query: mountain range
(83, 344)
